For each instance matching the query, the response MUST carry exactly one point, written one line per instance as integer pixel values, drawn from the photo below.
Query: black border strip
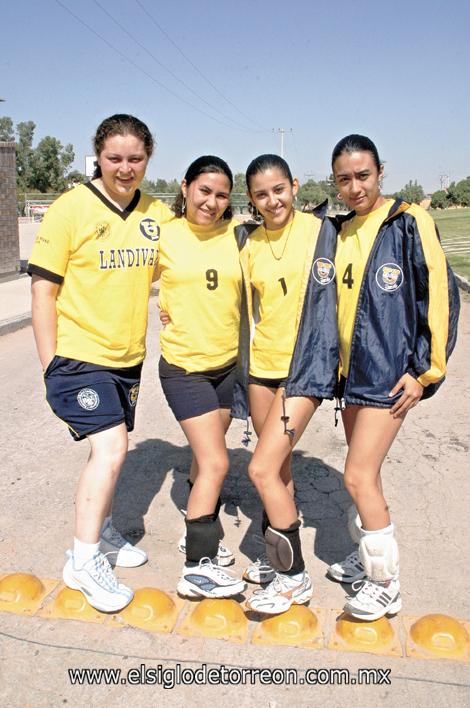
(123, 213)
(47, 274)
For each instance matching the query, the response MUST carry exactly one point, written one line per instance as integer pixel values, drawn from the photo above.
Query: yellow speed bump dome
(23, 593)
(441, 636)
(298, 626)
(153, 610)
(221, 619)
(71, 604)
(376, 637)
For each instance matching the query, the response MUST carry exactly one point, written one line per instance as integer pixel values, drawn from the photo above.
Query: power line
(143, 71)
(196, 68)
(183, 83)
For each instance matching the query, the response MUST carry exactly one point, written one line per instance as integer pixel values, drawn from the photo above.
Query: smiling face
(358, 180)
(123, 161)
(207, 198)
(272, 193)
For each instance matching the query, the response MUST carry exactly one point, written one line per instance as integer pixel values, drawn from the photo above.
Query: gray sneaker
(96, 580)
(120, 551)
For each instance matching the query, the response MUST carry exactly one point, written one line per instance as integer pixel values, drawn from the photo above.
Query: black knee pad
(202, 538)
(284, 550)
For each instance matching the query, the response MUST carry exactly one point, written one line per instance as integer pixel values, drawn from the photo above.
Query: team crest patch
(323, 270)
(134, 394)
(150, 229)
(102, 230)
(389, 277)
(88, 399)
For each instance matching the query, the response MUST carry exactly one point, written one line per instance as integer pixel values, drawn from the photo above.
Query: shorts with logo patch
(90, 398)
(196, 393)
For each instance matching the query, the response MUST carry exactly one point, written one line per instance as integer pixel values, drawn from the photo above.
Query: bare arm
(44, 316)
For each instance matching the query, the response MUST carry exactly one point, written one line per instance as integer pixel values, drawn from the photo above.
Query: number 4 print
(347, 277)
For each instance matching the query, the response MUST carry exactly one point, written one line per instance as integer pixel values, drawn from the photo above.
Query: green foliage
(413, 193)
(439, 200)
(6, 130)
(459, 193)
(44, 168)
(311, 193)
(239, 183)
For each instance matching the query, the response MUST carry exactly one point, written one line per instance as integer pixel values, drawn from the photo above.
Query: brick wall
(9, 237)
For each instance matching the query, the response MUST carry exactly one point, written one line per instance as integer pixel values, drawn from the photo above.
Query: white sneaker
(348, 570)
(260, 571)
(96, 580)
(224, 555)
(374, 599)
(208, 580)
(120, 551)
(281, 593)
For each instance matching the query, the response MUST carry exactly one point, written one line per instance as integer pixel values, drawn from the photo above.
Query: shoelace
(367, 587)
(102, 572)
(216, 568)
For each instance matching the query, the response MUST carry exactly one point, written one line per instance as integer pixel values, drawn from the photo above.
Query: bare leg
(370, 433)
(274, 446)
(98, 480)
(261, 400)
(206, 436)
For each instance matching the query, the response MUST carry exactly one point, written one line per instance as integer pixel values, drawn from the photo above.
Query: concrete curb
(15, 323)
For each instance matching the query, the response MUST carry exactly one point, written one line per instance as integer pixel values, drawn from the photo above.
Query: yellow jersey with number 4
(355, 242)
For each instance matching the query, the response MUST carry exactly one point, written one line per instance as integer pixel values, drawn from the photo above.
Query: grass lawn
(454, 227)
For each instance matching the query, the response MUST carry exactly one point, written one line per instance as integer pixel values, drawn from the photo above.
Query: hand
(164, 318)
(412, 392)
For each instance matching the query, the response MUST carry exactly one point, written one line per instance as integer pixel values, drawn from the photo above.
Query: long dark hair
(203, 165)
(121, 124)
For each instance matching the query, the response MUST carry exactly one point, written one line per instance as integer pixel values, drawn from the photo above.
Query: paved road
(426, 482)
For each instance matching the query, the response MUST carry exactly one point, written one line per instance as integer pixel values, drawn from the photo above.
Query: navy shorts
(196, 393)
(269, 383)
(91, 398)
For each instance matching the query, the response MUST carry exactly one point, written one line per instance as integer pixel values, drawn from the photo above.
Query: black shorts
(91, 398)
(196, 393)
(269, 383)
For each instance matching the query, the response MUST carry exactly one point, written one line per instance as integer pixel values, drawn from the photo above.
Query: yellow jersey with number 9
(355, 242)
(200, 288)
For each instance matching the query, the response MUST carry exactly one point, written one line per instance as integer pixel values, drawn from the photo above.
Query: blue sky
(398, 72)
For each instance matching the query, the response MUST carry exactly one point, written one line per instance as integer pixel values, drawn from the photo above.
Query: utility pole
(282, 131)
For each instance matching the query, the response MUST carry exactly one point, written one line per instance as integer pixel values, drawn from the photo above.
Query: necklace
(278, 258)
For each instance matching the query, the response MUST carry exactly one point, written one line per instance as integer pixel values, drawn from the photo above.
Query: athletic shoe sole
(273, 610)
(70, 581)
(123, 559)
(189, 590)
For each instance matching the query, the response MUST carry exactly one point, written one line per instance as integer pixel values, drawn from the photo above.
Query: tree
(311, 193)
(439, 200)
(24, 154)
(50, 164)
(459, 193)
(6, 130)
(413, 193)
(239, 183)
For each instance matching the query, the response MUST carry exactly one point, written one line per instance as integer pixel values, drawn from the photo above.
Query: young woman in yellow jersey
(397, 318)
(292, 362)
(200, 296)
(92, 267)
